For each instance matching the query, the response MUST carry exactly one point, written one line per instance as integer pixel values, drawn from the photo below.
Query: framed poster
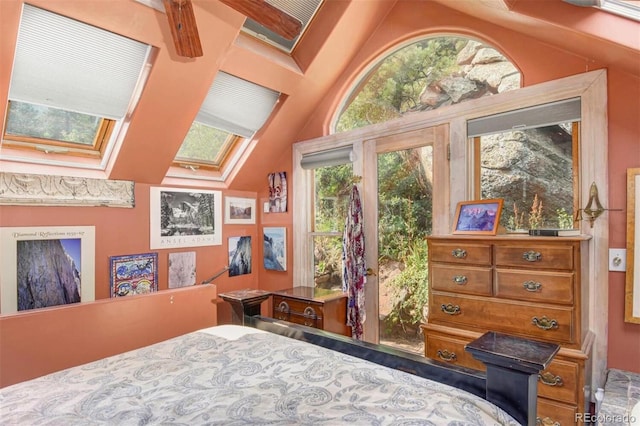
(133, 274)
(185, 218)
(239, 210)
(239, 255)
(46, 266)
(275, 248)
(478, 217)
(182, 269)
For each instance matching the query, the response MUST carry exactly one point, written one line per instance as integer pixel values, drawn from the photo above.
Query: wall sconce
(594, 208)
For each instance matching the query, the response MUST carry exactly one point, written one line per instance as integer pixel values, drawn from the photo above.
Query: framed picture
(275, 248)
(239, 210)
(239, 256)
(478, 217)
(278, 192)
(133, 274)
(185, 218)
(182, 269)
(46, 266)
(632, 284)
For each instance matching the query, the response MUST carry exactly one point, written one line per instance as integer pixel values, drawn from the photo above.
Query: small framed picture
(134, 274)
(239, 210)
(478, 217)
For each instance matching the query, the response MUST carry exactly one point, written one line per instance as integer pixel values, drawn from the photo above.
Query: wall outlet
(617, 259)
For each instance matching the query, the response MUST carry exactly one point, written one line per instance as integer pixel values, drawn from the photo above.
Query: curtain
(354, 269)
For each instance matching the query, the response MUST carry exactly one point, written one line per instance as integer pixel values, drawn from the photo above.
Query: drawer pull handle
(460, 279)
(459, 253)
(544, 323)
(546, 422)
(532, 286)
(550, 380)
(310, 316)
(445, 355)
(532, 256)
(309, 312)
(450, 309)
(283, 307)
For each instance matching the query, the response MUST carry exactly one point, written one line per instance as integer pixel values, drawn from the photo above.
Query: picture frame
(240, 255)
(275, 248)
(239, 211)
(27, 244)
(632, 278)
(478, 217)
(182, 269)
(133, 274)
(182, 217)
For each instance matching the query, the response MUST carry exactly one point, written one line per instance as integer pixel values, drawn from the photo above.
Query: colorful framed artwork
(239, 255)
(182, 269)
(185, 218)
(239, 210)
(275, 248)
(133, 274)
(46, 266)
(278, 192)
(478, 217)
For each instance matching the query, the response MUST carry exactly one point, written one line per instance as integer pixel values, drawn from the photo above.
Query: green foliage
(394, 86)
(409, 289)
(202, 143)
(565, 220)
(51, 123)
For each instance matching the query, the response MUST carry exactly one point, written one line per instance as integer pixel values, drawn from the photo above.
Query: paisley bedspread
(233, 375)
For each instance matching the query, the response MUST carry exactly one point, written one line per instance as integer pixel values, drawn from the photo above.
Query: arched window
(425, 75)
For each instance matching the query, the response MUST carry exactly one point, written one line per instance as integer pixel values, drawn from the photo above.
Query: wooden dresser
(318, 308)
(526, 286)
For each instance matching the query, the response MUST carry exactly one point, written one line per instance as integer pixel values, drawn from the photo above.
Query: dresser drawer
(453, 278)
(553, 413)
(477, 313)
(462, 252)
(542, 286)
(298, 311)
(535, 256)
(559, 381)
(450, 350)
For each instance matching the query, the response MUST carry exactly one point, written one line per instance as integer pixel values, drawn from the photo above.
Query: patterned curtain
(354, 269)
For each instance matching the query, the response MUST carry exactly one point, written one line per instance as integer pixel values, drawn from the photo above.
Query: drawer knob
(532, 286)
(445, 355)
(460, 279)
(459, 253)
(532, 256)
(546, 422)
(544, 323)
(450, 309)
(550, 380)
(283, 307)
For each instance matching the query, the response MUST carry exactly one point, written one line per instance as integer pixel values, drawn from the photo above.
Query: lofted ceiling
(321, 63)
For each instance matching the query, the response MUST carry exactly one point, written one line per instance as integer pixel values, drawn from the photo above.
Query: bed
(266, 372)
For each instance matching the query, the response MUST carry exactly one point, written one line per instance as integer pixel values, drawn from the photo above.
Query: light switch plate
(617, 259)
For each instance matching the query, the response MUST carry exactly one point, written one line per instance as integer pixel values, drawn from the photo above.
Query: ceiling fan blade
(183, 27)
(268, 16)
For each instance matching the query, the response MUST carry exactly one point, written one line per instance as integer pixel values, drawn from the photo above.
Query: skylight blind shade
(66, 64)
(527, 118)
(331, 157)
(236, 106)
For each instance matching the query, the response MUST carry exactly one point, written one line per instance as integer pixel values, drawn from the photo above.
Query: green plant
(409, 288)
(565, 220)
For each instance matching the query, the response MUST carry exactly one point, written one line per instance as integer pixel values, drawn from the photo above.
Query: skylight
(302, 10)
(627, 8)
